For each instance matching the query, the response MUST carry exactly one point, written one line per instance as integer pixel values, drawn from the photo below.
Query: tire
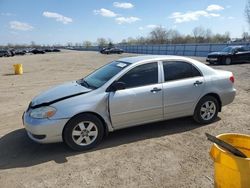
(83, 132)
(206, 110)
(227, 61)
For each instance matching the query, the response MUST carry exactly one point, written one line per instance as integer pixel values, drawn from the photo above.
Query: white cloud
(6, 14)
(180, 17)
(191, 16)
(16, 25)
(152, 26)
(122, 20)
(123, 5)
(58, 17)
(231, 17)
(105, 12)
(214, 8)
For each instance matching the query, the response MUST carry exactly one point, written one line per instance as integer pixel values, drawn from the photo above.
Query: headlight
(43, 112)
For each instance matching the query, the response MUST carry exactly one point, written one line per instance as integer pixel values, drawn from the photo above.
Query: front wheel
(206, 110)
(83, 132)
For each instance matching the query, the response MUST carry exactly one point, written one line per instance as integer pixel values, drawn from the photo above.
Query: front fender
(90, 102)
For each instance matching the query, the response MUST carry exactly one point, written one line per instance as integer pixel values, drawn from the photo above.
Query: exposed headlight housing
(43, 112)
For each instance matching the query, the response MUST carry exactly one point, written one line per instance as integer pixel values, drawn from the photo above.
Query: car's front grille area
(212, 56)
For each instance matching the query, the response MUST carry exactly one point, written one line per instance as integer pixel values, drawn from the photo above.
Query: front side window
(141, 75)
(179, 70)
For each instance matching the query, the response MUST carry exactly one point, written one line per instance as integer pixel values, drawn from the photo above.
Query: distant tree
(32, 44)
(245, 36)
(110, 43)
(208, 35)
(87, 44)
(124, 41)
(102, 42)
(199, 34)
(69, 44)
(131, 41)
(158, 35)
(173, 36)
(141, 40)
(77, 44)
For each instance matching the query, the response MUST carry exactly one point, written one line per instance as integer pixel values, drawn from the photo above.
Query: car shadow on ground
(9, 74)
(17, 150)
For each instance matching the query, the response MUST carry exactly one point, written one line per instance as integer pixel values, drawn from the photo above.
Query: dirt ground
(172, 153)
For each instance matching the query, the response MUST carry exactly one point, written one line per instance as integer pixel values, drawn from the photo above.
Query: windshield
(102, 75)
(227, 49)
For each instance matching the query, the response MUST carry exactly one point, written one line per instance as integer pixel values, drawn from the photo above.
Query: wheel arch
(92, 113)
(215, 95)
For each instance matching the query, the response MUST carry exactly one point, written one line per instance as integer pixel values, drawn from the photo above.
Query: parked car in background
(111, 51)
(37, 51)
(48, 50)
(6, 53)
(230, 55)
(19, 52)
(51, 50)
(56, 50)
(124, 93)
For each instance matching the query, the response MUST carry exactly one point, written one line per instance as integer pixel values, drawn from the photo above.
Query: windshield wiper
(86, 84)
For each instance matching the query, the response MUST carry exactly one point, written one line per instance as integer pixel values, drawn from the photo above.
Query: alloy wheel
(84, 133)
(208, 110)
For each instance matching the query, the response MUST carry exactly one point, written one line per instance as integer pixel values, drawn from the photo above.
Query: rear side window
(141, 75)
(177, 70)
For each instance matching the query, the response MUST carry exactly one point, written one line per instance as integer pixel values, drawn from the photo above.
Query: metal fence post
(195, 50)
(210, 48)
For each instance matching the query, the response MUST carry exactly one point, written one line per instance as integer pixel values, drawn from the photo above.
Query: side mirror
(235, 51)
(116, 86)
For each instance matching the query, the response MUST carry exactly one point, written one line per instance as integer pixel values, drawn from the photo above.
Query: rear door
(141, 101)
(182, 87)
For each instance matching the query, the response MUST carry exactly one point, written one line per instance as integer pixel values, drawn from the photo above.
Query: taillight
(231, 79)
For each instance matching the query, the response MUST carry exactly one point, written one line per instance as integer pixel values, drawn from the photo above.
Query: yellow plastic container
(231, 171)
(18, 68)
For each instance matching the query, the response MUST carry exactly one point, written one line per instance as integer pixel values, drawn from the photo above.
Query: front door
(141, 101)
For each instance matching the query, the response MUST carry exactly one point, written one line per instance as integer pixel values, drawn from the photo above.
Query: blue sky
(62, 21)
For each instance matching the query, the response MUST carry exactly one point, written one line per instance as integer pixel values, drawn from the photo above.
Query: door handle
(154, 90)
(198, 83)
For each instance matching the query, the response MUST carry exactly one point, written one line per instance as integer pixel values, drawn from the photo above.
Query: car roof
(206, 70)
(236, 47)
(142, 58)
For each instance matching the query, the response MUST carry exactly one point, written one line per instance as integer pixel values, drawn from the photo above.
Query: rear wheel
(228, 61)
(83, 132)
(206, 110)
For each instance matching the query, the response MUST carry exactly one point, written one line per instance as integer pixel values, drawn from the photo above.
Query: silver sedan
(124, 93)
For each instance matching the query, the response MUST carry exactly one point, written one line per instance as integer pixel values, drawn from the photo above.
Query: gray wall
(178, 49)
(170, 49)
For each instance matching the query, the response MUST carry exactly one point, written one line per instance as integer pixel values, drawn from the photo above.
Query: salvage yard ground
(172, 153)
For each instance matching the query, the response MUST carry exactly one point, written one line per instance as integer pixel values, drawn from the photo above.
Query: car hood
(58, 93)
(218, 53)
